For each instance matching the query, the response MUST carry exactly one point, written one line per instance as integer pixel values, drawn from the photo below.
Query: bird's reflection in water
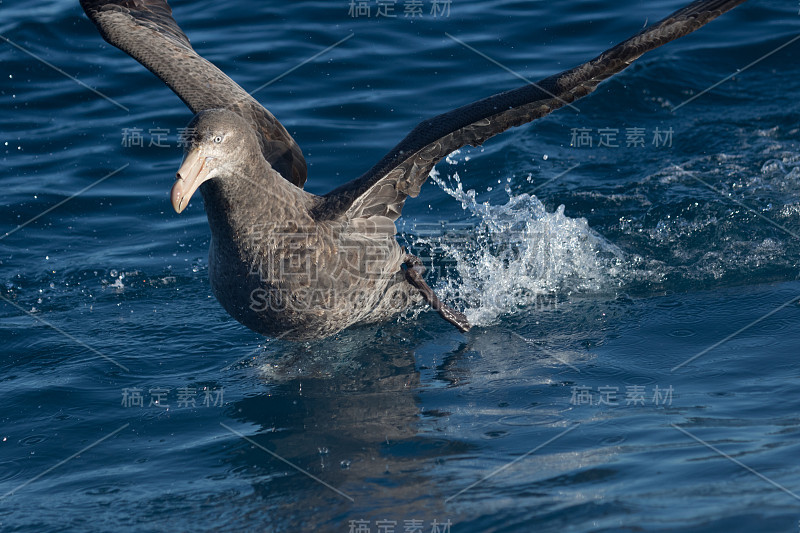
(347, 411)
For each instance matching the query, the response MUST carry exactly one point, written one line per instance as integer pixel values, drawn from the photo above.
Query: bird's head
(217, 141)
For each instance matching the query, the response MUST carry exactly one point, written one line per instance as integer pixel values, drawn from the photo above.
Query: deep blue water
(573, 394)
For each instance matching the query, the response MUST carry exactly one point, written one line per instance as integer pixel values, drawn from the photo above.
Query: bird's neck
(255, 201)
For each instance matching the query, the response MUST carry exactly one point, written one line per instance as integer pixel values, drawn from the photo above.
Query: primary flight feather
(285, 262)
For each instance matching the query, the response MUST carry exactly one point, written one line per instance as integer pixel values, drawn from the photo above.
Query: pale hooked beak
(193, 172)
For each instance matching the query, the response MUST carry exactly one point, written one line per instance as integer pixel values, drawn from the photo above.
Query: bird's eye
(218, 139)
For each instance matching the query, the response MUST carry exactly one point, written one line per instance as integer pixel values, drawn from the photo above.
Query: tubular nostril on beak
(192, 173)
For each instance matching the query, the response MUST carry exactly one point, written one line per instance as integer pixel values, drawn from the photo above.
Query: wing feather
(382, 190)
(146, 31)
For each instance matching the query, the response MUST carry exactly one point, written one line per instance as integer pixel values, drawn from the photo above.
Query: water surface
(633, 366)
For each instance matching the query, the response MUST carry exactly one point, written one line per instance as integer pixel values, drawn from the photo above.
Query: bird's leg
(414, 271)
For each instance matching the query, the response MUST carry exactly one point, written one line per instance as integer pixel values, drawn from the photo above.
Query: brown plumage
(288, 263)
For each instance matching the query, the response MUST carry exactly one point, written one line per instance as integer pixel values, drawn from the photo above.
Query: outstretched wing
(146, 31)
(381, 192)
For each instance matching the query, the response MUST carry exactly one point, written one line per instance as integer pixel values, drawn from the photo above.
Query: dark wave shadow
(349, 414)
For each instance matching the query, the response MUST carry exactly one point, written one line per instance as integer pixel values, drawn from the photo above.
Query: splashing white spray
(520, 253)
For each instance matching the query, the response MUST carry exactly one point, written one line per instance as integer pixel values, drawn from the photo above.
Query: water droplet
(522, 253)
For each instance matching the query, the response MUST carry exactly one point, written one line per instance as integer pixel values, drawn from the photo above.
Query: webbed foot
(414, 270)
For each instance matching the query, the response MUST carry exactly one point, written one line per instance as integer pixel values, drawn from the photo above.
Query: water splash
(519, 254)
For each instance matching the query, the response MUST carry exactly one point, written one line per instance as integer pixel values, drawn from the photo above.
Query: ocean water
(634, 364)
